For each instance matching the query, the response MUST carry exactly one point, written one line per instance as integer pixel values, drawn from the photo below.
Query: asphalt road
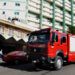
(28, 69)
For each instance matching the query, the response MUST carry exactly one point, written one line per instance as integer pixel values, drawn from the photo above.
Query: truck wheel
(58, 63)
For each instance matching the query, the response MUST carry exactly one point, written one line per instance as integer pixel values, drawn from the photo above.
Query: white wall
(10, 8)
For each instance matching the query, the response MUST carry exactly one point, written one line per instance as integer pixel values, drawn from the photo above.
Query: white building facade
(30, 11)
(10, 9)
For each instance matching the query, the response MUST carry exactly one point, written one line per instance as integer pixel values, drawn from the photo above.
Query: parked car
(15, 57)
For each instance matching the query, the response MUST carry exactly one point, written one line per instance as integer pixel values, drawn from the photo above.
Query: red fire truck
(51, 47)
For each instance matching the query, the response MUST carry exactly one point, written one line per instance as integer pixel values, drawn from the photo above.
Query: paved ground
(28, 69)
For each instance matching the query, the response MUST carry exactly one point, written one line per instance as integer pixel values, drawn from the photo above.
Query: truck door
(54, 44)
(71, 45)
(63, 44)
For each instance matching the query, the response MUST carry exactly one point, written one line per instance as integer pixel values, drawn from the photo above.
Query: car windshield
(44, 37)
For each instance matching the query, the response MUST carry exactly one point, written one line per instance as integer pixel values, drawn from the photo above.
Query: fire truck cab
(51, 47)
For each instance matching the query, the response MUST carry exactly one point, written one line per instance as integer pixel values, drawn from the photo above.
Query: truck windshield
(42, 38)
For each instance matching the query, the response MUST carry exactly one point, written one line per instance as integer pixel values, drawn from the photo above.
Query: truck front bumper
(42, 59)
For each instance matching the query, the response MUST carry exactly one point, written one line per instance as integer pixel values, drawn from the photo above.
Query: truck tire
(58, 63)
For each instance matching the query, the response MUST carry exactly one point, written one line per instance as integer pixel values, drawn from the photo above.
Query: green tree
(72, 29)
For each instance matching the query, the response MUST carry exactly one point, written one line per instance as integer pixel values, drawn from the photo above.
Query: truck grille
(36, 53)
(36, 50)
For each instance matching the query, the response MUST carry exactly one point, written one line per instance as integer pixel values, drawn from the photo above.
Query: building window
(16, 13)
(3, 12)
(17, 4)
(19, 34)
(9, 18)
(16, 33)
(4, 3)
(1, 30)
(10, 32)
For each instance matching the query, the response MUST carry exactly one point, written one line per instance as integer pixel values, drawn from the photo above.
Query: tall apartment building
(10, 9)
(40, 13)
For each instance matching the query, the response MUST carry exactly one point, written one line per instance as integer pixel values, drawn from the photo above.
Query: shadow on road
(23, 67)
(28, 67)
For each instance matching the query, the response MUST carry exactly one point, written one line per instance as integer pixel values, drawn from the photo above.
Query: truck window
(54, 37)
(40, 37)
(63, 40)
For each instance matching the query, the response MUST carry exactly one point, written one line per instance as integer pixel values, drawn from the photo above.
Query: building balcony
(59, 15)
(33, 24)
(45, 25)
(47, 5)
(58, 26)
(68, 15)
(67, 22)
(34, 5)
(61, 1)
(33, 19)
(47, 15)
(68, 19)
(67, 1)
(58, 11)
(67, 7)
(59, 4)
(47, 10)
(35, 10)
(35, 1)
(58, 19)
